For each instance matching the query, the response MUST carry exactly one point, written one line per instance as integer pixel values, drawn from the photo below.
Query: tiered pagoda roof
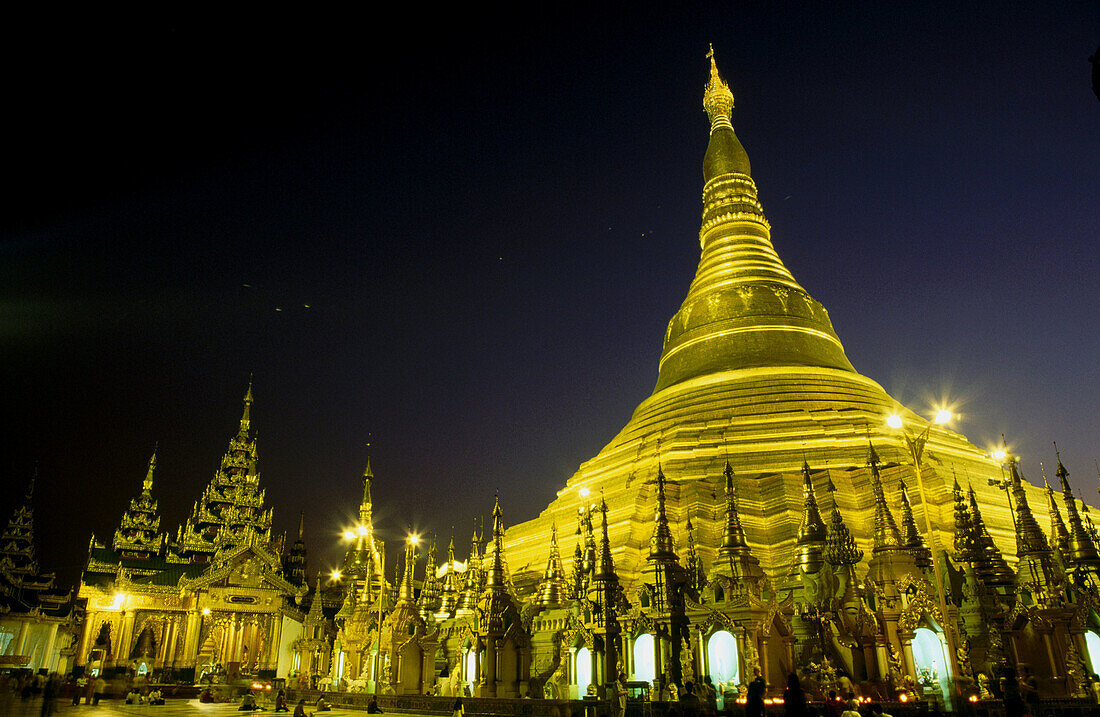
(24, 588)
(230, 511)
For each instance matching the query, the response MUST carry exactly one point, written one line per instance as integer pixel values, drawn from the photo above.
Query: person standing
(754, 700)
(794, 699)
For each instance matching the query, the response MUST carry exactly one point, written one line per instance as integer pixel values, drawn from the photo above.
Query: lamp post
(1003, 483)
(915, 446)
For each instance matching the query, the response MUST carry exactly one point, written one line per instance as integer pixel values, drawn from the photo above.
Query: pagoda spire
(733, 539)
(735, 559)
(294, 564)
(964, 527)
(744, 308)
(605, 566)
(812, 533)
(138, 534)
(1059, 536)
(429, 590)
(448, 597)
(887, 536)
(911, 537)
(471, 588)
(660, 544)
(1082, 550)
(405, 595)
(840, 546)
(551, 591)
(17, 559)
(246, 415)
(1029, 536)
(989, 563)
(496, 577)
(317, 604)
(231, 510)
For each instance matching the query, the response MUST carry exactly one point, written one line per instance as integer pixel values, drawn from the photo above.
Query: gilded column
(48, 656)
(274, 643)
(170, 643)
(907, 653)
(21, 640)
(125, 634)
(191, 639)
(86, 639)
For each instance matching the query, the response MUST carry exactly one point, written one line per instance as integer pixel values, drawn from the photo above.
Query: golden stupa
(752, 371)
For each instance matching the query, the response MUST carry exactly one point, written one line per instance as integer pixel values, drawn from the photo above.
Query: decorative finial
(717, 98)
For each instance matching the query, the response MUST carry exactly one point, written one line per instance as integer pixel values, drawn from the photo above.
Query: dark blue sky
(491, 220)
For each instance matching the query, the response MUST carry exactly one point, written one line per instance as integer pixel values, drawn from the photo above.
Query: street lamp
(915, 445)
(1002, 456)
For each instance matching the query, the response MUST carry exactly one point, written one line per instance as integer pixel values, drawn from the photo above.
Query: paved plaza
(12, 706)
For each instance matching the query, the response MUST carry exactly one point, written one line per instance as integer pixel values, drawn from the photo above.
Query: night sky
(464, 237)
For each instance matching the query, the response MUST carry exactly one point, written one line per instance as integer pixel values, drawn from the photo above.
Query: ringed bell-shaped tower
(753, 372)
(744, 309)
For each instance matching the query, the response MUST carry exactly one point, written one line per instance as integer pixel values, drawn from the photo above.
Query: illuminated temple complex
(766, 508)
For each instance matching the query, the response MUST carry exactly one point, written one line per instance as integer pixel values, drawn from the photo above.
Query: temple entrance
(722, 658)
(644, 659)
(584, 671)
(471, 668)
(930, 661)
(1092, 643)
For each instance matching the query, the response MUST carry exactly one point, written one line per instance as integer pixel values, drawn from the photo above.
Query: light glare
(894, 421)
(943, 416)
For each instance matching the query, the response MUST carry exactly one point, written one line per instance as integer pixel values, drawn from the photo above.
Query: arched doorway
(645, 661)
(471, 667)
(930, 661)
(1092, 643)
(725, 668)
(584, 671)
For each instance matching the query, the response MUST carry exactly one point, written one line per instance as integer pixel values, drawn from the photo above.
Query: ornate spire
(605, 586)
(246, 419)
(471, 588)
(1059, 536)
(17, 559)
(551, 591)
(989, 563)
(812, 534)
(913, 540)
(605, 567)
(717, 98)
(887, 536)
(1029, 536)
(1082, 550)
(429, 591)
(840, 546)
(733, 539)
(361, 561)
(448, 598)
(405, 594)
(138, 535)
(317, 604)
(660, 544)
(231, 509)
(735, 560)
(496, 577)
(964, 528)
(294, 564)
